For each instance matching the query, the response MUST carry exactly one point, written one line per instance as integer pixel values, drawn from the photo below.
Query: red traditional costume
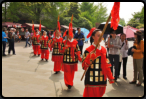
(44, 47)
(36, 44)
(97, 73)
(70, 64)
(57, 57)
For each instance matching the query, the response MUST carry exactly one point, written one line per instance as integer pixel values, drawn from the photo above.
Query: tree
(122, 22)
(73, 9)
(101, 13)
(81, 22)
(94, 13)
(138, 19)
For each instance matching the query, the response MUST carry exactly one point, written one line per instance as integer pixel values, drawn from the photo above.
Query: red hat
(70, 30)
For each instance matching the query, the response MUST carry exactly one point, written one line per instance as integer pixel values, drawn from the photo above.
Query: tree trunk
(5, 12)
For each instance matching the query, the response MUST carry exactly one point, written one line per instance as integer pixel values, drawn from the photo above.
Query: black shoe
(46, 60)
(138, 85)
(132, 82)
(56, 72)
(125, 78)
(34, 55)
(29, 45)
(25, 46)
(39, 55)
(42, 60)
(69, 86)
(14, 54)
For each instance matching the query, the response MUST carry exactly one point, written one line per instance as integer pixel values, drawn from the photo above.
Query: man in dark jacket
(80, 38)
(11, 41)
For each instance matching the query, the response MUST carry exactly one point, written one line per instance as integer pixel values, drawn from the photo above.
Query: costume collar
(70, 40)
(57, 37)
(95, 46)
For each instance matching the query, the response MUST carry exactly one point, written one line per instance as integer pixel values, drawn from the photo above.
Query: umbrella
(85, 32)
(129, 31)
(109, 29)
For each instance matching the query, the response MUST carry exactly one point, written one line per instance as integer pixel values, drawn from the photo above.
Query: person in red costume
(36, 44)
(98, 67)
(56, 55)
(71, 55)
(44, 46)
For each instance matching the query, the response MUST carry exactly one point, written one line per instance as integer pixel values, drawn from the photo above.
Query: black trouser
(115, 63)
(124, 66)
(4, 46)
(11, 46)
(81, 48)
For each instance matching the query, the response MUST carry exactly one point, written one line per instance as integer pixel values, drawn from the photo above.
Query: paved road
(26, 76)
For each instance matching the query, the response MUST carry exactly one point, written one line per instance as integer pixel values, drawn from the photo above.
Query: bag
(130, 52)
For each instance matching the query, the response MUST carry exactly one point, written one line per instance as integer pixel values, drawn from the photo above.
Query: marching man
(71, 55)
(56, 55)
(98, 67)
(36, 44)
(44, 47)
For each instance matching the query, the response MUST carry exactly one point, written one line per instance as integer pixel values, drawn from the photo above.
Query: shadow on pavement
(56, 77)
(124, 89)
(8, 56)
(42, 62)
(73, 92)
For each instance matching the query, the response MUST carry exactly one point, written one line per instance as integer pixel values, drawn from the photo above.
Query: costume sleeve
(108, 71)
(141, 48)
(85, 62)
(62, 50)
(78, 52)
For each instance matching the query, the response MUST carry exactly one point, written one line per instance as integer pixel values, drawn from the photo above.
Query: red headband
(91, 31)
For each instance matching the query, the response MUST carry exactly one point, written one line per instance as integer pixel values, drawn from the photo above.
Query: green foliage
(81, 22)
(73, 9)
(94, 13)
(138, 19)
(122, 22)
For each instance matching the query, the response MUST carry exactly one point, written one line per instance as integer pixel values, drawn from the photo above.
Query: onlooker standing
(80, 38)
(123, 52)
(138, 58)
(31, 36)
(27, 34)
(114, 46)
(4, 40)
(11, 36)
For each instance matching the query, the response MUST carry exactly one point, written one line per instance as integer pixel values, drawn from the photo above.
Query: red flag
(40, 26)
(115, 15)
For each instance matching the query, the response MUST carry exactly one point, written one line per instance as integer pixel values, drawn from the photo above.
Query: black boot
(46, 60)
(69, 86)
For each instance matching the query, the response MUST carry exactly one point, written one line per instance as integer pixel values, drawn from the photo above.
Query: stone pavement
(26, 76)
